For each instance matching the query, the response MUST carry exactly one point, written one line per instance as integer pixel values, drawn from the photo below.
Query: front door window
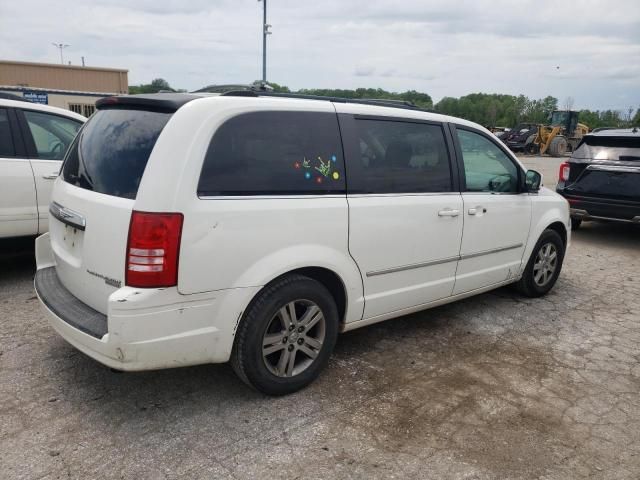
(486, 167)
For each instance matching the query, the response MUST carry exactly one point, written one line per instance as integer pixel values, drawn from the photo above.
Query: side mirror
(533, 181)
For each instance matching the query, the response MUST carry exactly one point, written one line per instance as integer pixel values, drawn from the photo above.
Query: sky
(589, 50)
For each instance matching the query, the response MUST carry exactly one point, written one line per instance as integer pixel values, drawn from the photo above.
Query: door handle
(477, 210)
(447, 212)
(53, 176)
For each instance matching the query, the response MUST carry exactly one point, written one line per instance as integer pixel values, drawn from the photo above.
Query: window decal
(324, 168)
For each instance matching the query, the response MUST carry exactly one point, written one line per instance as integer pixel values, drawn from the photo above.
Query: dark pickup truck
(601, 180)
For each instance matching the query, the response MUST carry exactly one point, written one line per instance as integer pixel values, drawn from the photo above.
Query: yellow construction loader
(561, 135)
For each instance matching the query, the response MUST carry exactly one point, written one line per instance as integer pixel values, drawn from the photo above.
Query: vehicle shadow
(625, 236)
(215, 389)
(17, 258)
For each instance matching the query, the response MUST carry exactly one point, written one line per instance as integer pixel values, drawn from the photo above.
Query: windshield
(559, 118)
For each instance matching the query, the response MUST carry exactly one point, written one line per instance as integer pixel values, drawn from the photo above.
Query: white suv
(33, 141)
(252, 228)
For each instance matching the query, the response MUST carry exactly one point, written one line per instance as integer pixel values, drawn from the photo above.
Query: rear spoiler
(157, 102)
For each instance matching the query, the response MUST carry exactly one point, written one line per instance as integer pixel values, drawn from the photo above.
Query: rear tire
(543, 268)
(575, 223)
(532, 149)
(286, 336)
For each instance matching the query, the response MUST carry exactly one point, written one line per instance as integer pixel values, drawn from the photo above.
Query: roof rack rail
(250, 92)
(258, 86)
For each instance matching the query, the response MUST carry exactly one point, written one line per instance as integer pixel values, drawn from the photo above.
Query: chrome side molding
(67, 216)
(402, 268)
(488, 252)
(412, 266)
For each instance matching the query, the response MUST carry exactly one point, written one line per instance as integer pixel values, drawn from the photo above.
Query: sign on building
(36, 97)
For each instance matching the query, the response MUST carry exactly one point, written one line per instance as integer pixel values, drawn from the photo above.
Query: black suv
(601, 181)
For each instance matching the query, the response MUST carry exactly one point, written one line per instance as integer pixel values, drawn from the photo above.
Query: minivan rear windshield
(111, 151)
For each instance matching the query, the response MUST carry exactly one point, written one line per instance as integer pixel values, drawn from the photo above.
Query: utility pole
(265, 32)
(60, 46)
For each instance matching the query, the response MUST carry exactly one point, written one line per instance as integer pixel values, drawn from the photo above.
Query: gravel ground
(496, 386)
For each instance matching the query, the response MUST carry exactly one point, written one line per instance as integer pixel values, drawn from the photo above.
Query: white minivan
(252, 227)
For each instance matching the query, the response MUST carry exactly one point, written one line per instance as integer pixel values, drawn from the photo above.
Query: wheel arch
(337, 271)
(548, 213)
(329, 279)
(560, 229)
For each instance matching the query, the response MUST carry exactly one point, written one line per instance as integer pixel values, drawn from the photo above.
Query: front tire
(286, 336)
(558, 147)
(543, 268)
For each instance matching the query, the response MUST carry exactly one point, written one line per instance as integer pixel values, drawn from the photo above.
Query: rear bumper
(144, 329)
(59, 301)
(590, 208)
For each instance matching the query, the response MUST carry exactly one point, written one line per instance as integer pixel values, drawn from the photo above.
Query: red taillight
(563, 174)
(152, 249)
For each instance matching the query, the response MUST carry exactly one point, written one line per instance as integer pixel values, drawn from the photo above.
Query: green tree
(279, 88)
(156, 85)
(420, 99)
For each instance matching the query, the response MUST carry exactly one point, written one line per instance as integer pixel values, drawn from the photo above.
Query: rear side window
(112, 149)
(52, 134)
(400, 157)
(6, 142)
(274, 153)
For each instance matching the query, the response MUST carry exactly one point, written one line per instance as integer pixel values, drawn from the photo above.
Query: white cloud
(443, 48)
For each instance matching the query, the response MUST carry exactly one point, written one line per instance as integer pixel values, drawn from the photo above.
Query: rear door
(18, 205)
(405, 213)
(271, 194)
(94, 197)
(496, 215)
(47, 139)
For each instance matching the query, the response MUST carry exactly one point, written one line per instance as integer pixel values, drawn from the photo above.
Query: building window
(85, 109)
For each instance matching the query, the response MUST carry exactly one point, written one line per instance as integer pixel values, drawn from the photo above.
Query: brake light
(152, 249)
(565, 169)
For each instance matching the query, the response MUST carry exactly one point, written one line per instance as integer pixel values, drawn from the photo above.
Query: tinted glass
(609, 147)
(52, 134)
(486, 167)
(112, 150)
(6, 142)
(264, 153)
(400, 157)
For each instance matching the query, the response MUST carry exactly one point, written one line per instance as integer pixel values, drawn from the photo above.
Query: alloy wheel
(545, 264)
(293, 338)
